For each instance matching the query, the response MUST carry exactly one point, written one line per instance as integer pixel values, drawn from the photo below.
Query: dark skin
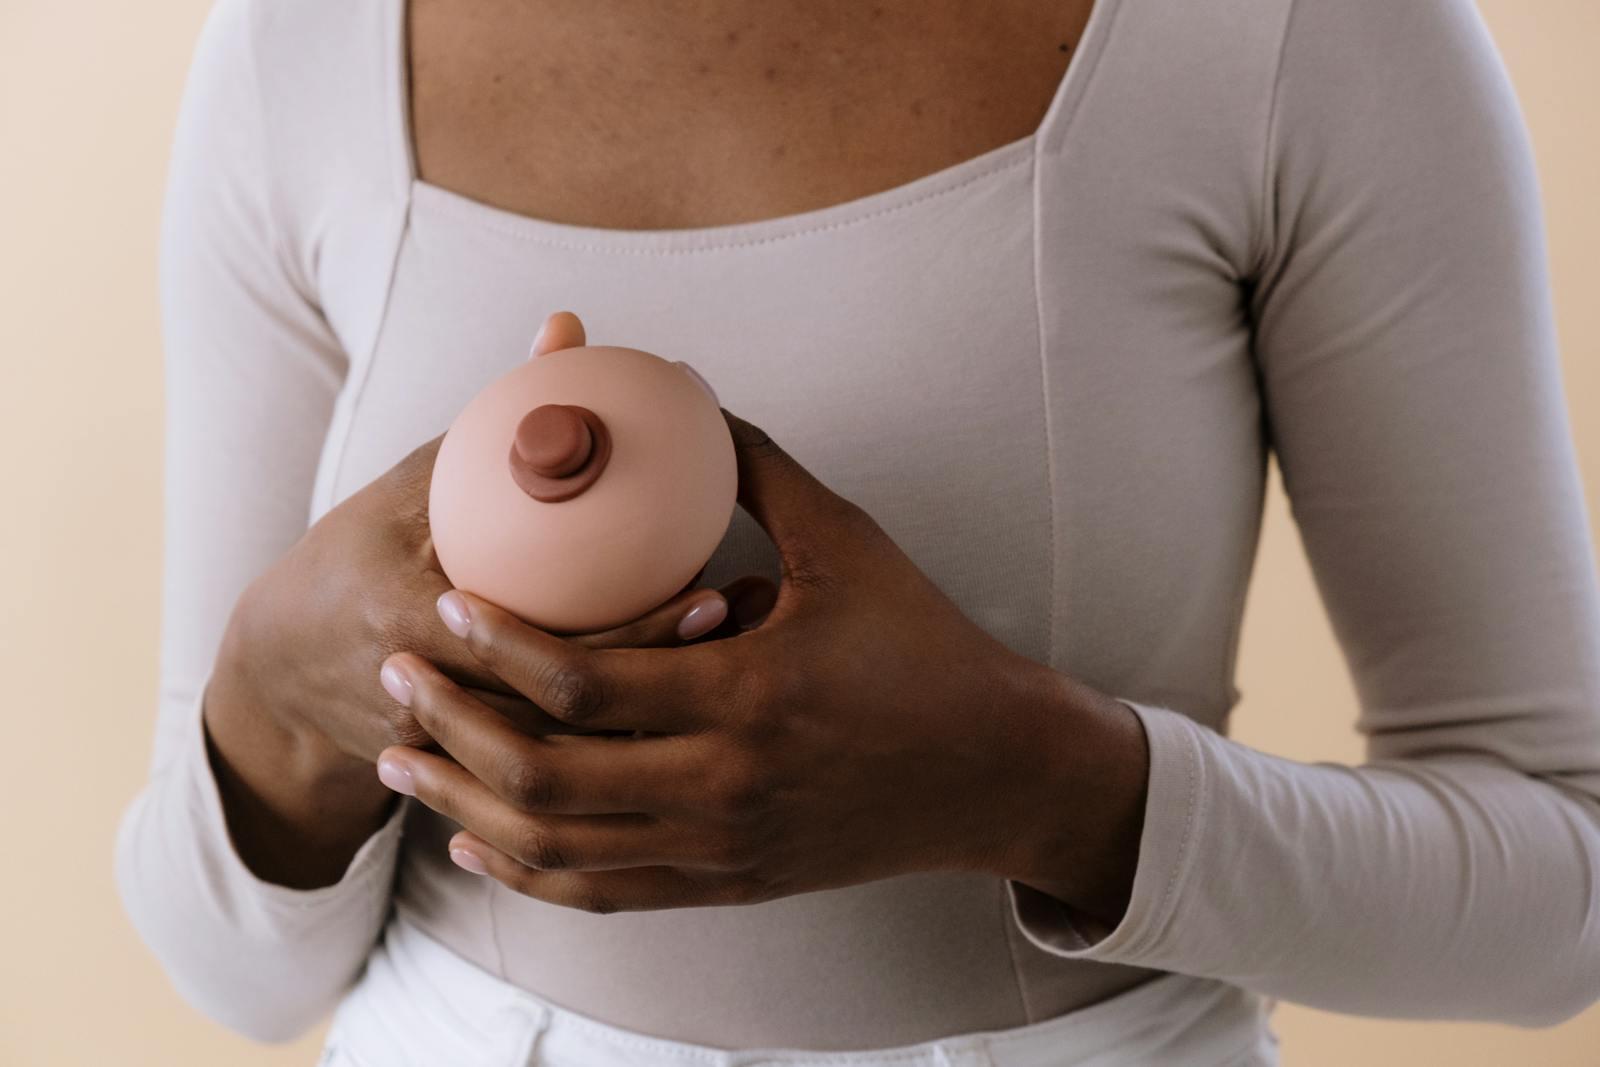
(643, 114)
(1026, 773)
(866, 728)
(293, 728)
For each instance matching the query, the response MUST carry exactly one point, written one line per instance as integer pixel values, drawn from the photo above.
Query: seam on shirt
(1052, 133)
(397, 84)
(1269, 143)
(1044, 390)
(399, 226)
(278, 229)
(363, 372)
(462, 211)
(1050, 498)
(1003, 895)
(360, 371)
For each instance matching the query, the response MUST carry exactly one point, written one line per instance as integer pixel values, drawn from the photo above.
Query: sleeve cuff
(374, 859)
(1174, 812)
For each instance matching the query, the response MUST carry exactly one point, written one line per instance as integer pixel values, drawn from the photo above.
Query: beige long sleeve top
(1053, 373)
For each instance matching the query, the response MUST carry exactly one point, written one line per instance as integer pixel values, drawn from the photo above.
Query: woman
(1022, 296)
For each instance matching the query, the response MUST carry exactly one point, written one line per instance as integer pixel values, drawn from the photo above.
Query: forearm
(1451, 887)
(261, 958)
(297, 807)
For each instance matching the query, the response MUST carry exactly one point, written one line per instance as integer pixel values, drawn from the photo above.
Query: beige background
(88, 92)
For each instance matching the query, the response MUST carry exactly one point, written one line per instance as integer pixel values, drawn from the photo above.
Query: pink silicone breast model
(583, 488)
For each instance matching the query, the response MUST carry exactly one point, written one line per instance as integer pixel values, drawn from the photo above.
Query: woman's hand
(867, 728)
(294, 726)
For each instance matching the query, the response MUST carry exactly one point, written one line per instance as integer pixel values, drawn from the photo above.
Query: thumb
(798, 512)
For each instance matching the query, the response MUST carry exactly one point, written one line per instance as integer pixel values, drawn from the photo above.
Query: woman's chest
(892, 347)
(657, 116)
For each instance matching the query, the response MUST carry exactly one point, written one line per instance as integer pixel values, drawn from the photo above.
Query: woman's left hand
(866, 728)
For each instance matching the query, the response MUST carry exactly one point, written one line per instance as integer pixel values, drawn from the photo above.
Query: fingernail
(702, 618)
(396, 776)
(696, 375)
(533, 349)
(750, 609)
(453, 610)
(396, 683)
(468, 861)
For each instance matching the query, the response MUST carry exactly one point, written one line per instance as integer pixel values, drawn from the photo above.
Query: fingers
(523, 713)
(694, 613)
(624, 688)
(599, 892)
(427, 634)
(683, 618)
(795, 509)
(543, 841)
(561, 329)
(571, 775)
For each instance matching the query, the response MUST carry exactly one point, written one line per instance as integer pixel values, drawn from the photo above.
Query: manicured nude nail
(702, 618)
(453, 610)
(396, 776)
(396, 683)
(533, 349)
(468, 861)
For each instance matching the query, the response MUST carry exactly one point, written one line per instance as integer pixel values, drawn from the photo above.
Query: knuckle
(529, 785)
(742, 794)
(736, 850)
(540, 850)
(782, 685)
(572, 693)
(595, 901)
(381, 618)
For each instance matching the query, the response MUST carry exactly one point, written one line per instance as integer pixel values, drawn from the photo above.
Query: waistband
(419, 1003)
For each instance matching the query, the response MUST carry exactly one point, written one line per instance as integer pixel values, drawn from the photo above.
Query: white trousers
(418, 1004)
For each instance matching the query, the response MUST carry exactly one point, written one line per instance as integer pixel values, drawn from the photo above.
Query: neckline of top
(1045, 137)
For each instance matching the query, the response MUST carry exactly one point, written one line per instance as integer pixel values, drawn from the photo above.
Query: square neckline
(961, 174)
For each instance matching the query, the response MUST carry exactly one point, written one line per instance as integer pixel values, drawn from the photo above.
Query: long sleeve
(1407, 359)
(252, 372)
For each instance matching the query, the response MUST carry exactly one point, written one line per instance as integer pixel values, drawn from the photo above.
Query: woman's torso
(1032, 366)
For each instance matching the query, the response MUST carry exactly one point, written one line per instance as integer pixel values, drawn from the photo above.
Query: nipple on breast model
(583, 488)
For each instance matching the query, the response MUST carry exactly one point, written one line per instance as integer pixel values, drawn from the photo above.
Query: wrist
(297, 806)
(1079, 839)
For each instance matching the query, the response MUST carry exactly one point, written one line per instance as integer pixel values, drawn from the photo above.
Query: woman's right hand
(294, 713)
